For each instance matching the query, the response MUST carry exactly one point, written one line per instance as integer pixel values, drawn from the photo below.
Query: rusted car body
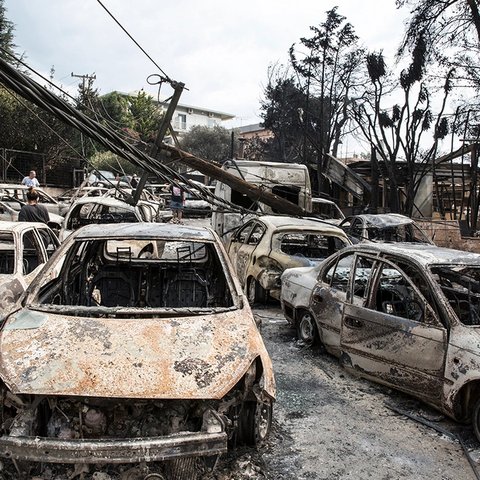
(385, 227)
(96, 210)
(135, 344)
(265, 246)
(24, 249)
(404, 315)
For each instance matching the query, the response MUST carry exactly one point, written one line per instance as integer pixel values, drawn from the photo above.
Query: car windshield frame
(63, 260)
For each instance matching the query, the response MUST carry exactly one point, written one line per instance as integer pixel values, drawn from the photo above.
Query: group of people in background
(33, 211)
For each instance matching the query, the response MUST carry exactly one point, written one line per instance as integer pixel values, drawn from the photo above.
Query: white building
(187, 116)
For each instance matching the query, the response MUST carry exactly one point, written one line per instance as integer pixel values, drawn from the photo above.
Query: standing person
(134, 181)
(31, 180)
(176, 203)
(33, 211)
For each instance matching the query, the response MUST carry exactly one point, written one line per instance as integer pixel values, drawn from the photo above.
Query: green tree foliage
(137, 116)
(7, 45)
(282, 112)
(114, 163)
(306, 103)
(327, 64)
(208, 143)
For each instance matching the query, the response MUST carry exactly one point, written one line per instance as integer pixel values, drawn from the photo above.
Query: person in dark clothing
(33, 211)
(177, 201)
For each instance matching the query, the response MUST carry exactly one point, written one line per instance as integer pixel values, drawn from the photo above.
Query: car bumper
(104, 451)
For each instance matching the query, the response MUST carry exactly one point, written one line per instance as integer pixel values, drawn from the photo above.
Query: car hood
(197, 357)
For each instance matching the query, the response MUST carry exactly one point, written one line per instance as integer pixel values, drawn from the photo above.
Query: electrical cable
(135, 42)
(39, 95)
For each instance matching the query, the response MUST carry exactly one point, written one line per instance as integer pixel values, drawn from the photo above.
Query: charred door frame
(367, 346)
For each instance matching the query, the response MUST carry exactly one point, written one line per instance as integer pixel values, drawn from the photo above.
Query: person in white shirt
(31, 180)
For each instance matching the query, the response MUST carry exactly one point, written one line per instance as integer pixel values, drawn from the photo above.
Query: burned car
(15, 195)
(134, 344)
(96, 210)
(384, 227)
(265, 246)
(406, 316)
(24, 248)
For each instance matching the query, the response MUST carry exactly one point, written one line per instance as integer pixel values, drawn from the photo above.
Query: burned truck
(134, 344)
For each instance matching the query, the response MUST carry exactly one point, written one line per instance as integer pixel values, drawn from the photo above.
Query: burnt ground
(331, 425)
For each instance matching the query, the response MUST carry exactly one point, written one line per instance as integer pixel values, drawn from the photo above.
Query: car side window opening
(243, 233)
(356, 229)
(460, 285)
(361, 279)
(32, 252)
(395, 295)
(310, 245)
(256, 235)
(7, 253)
(342, 271)
(418, 279)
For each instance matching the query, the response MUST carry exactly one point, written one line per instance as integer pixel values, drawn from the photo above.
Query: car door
(236, 247)
(390, 332)
(328, 300)
(246, 257)
(33, 255)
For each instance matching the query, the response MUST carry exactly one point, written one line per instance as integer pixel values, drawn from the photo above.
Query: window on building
(181, 123)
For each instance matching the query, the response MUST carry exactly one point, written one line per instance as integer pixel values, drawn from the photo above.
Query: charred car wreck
(134, 344)
(404, 315)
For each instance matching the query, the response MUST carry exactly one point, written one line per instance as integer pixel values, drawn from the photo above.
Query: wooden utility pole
(162, 131)
(252, 191)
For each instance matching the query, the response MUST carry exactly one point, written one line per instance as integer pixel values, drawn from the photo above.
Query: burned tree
(397, 133)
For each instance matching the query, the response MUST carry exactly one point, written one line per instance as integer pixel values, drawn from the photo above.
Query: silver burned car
(404, 315)
(265, 246)
(134, 344)
(383, 227)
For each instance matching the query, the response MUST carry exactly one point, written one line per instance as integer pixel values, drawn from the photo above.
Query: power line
(134, 41)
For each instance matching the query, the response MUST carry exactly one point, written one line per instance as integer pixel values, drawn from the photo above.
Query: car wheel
(255, 292)
(307, 329)
(255, 423)
(476, 419)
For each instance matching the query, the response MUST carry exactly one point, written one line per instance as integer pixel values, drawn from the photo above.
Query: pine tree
(7, 45)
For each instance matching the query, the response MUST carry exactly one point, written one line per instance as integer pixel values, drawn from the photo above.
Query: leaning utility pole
(83, 77)
(162, 131)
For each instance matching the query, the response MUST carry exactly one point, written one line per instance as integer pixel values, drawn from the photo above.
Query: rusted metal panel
(112, 451)
(185, 357)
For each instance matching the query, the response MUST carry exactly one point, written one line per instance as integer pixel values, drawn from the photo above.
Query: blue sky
(221, 50)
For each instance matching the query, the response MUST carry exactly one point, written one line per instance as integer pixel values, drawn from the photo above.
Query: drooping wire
(41, 96)
(134, 41)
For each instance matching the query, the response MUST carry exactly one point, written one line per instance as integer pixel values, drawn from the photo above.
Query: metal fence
(16, 164)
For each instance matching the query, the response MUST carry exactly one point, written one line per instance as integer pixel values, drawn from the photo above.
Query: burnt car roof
(292, 222)
(423, 254)
(6, 226)
(144, 230)
(385, 219)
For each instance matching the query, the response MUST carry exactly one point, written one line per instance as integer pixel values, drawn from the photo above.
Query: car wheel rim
(306, 329)
(263, 420)
(251, 291)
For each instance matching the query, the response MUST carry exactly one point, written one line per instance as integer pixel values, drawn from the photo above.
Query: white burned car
(383, 227)
(24, 249)
(265, 246)
(134, 344)
(103, 210)
(404, 315)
